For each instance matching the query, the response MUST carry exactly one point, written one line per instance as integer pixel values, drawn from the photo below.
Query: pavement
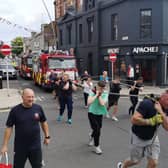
(11, 97)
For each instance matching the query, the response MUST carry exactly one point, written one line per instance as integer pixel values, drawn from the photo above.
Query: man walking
(27, 144)
(144, 139)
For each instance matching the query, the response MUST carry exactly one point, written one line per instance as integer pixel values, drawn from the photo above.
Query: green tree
(17, 45)
(1, 55)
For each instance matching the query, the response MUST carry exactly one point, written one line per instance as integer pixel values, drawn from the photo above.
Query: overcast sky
(21, 15)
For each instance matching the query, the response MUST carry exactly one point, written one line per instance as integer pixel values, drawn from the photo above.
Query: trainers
(98, 150)
(69, 121)
(114, 118)
(59, 118)
(107, 115)
(91, 140)
(119, 165)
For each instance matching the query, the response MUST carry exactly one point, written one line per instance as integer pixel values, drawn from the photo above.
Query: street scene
(83, 83)
(69, 143)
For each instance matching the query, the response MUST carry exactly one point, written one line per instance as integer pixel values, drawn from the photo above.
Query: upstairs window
(146, 24)
(61, 38)
(89, 4)
(114, 27)
(90, 22)
(80, 33)
(69, 30)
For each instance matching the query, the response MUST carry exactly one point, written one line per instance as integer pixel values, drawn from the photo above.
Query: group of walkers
(149, 115)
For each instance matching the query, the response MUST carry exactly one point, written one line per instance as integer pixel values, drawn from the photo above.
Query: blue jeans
(66, 100)
(34, 156)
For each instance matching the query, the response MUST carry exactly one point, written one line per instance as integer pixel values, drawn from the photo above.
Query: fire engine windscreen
(54, 63)
(29, 62)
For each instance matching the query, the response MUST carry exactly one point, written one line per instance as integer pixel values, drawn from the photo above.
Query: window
(114, 27)
(90, 28)
(61, 41)
(80, 33)
(89, 4)
(69, 30)
(146, 23)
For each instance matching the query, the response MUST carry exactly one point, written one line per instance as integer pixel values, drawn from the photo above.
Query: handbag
(6, 164)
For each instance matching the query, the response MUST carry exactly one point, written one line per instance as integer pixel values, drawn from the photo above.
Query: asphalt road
(69, 149)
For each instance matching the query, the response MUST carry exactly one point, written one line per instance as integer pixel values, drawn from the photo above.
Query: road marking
(40, 98)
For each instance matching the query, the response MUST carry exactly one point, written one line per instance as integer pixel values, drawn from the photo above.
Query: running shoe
(107, 115)
(91, 140)
(119, 165)
(69, 121)
(98, 150)
(114, 118)
(59, 118)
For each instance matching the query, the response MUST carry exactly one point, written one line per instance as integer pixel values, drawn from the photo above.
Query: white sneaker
(107, 115)
(98, 150)
(114, 118)
(119, 165)
(91, 140)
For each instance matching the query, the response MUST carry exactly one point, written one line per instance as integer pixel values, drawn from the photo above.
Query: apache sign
(145, 50)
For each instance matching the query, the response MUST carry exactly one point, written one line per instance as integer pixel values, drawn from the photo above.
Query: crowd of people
(98, 100)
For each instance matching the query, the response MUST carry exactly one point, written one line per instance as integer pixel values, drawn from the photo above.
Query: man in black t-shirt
(144, 139)
(27, 142)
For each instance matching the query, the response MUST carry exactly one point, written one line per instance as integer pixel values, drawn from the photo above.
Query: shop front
(148, 61)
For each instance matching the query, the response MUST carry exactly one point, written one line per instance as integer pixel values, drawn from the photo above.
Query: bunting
(14, 25)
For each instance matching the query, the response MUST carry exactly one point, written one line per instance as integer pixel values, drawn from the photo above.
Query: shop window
(146, 24)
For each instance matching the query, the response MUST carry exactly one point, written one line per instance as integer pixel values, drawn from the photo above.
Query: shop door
(148, 70)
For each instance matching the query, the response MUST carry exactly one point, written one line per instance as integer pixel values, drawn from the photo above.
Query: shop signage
(113, 50)
(151, 49)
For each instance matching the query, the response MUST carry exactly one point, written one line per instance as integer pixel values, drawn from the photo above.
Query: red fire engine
(25, 69)
(55, 62)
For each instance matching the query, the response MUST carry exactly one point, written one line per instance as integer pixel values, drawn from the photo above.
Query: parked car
(12, 72)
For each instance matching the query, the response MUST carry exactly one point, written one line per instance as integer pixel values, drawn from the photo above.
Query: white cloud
(25, 13)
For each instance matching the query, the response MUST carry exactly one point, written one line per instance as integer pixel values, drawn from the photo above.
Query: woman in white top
(87, 89)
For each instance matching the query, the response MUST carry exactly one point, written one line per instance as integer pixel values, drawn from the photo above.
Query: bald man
(27, 144)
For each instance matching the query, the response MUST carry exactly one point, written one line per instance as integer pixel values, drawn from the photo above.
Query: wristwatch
(47, 137)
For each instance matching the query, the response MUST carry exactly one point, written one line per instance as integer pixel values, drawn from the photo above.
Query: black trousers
(34, 157)
(134, 101)
(96, 125)
(85, 98)
(66, 101)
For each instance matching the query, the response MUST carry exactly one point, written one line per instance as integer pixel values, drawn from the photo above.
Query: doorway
(148, 70)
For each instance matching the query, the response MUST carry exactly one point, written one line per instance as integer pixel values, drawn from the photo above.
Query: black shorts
(113, 100)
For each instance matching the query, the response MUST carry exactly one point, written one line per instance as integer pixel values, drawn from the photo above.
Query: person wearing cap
(97, 108)
(149, 115)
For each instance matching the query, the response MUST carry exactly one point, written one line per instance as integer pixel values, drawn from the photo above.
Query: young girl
(97, 101)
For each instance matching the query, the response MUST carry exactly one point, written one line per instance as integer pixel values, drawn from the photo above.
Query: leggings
(96, 124)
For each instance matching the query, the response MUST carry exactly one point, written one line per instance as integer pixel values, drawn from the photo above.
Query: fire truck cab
(53, 63)
(25, 69)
